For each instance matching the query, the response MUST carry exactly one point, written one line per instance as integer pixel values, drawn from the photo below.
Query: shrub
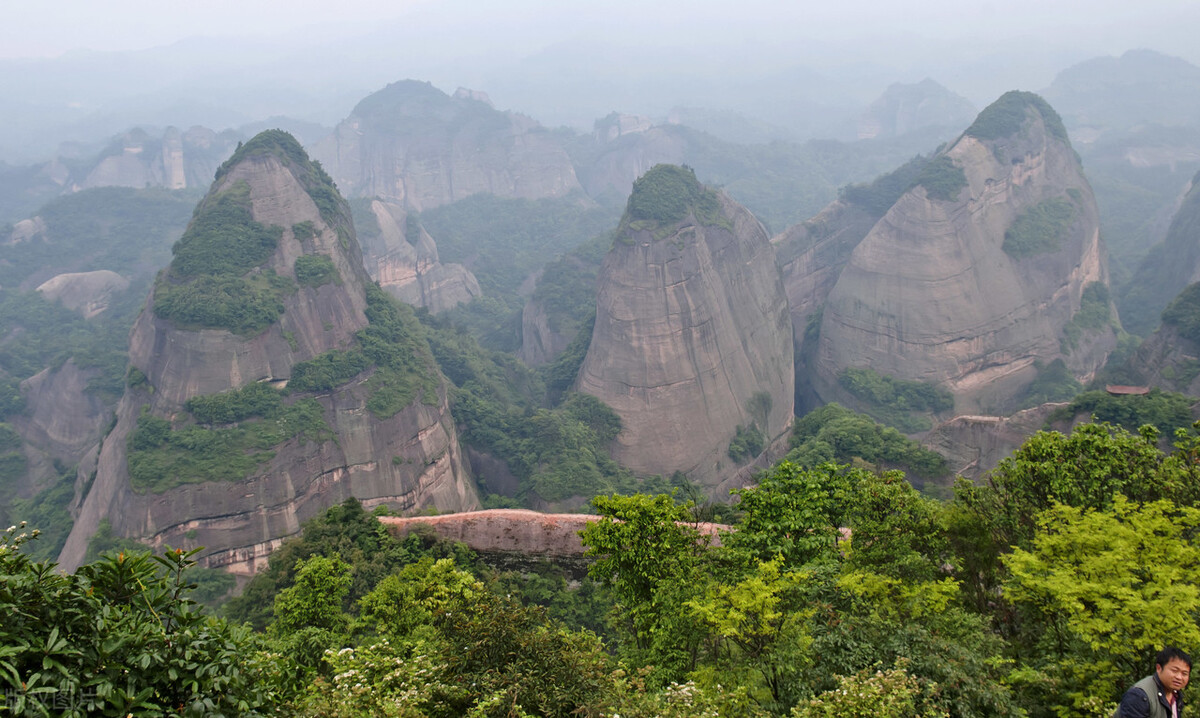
(1006, 116)
(242, 306)
(1040, 229)
(223, 238)
(1183, 313)
(747, 443)
(667, 193)
(313, 270)
(327, 371)
(892, 400)
(942, 179)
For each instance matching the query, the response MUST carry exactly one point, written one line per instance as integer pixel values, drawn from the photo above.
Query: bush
(942, 179)
(242, 306)
(878, 196)
(257, 399)
(666, 193)
(327, 371)
(834, 433)
(1039, 230)
(1166, 411)
(313, 270)
(747, 443)
(893, 400)
(1183, 313)
(223, 238)
(1006, 116)
(1054, 382)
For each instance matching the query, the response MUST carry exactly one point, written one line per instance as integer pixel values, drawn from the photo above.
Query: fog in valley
(458, 357)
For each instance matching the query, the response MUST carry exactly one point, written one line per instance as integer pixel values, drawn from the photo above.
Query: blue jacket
(1148, 699)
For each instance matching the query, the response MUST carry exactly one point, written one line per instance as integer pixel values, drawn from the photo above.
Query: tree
(1105, 589)
(645, 549)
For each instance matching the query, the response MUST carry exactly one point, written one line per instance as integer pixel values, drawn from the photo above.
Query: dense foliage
(1042, 591)
(1095, 313)
(1040, 229)
(1054, 382)
(836, 434)
(1164, 410)
(313, 270)
(942, 179)
(1007, 116)
(878, 196)
(896, 402)
(1183, 313)
(666, 194)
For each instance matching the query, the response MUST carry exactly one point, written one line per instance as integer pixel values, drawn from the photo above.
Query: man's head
(1173, 667)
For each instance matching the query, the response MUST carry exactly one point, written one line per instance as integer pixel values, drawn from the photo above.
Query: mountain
(1118, 93)
(1170, 266)
(692, 345)
(907, 107)
(270, 379)
(414, 145)
(1170, 357)
(401, 256)
(987, 267)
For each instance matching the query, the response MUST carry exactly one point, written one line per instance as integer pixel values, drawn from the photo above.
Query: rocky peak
(904, 108)
(977, 273)
(463, 93)
(414, 145)
(266, 290)
(692, 345)
(617, 125)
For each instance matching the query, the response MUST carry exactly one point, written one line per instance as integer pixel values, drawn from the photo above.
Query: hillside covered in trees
(837, 590)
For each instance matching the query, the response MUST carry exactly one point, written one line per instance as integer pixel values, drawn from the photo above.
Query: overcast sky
(51, 27)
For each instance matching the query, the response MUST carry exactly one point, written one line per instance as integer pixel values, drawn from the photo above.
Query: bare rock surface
(413, 145)
(974, 445)
(88, 293)
(408, 268)
(931, 295)
(692, 339)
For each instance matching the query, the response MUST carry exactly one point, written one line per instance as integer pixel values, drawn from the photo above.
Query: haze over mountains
(617, 264)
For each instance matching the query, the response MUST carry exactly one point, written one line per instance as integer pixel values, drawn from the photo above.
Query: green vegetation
(1095, 313)
(327, 371)
(878, 196)
(505, 241)
(304, 231)
(1166, 411)
(834, 433)
(244, 306)
(314, 179)
(666, 194)
(941, 178)
(313, 270)
(394, 342)
(1183, 313)
(205, 286)
(235, 434)
(747, 443)
(896, 402)
(1006, 117)
(223, 238)
(1040, 229)
(838, 591)
(1054, 382)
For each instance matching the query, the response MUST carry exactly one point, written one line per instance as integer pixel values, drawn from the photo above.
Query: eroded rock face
(413, 145)
(974, 445)
(905, 108)
(62, 421)
(176, 160)
(88, 293)
(692, 337)
(931, 294)
(408, 268)
(409, 460)
(1170, 361)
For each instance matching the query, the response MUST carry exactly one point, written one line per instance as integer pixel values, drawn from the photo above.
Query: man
(1159, 695)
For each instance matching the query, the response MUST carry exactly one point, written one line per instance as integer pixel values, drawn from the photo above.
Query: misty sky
(52, 27)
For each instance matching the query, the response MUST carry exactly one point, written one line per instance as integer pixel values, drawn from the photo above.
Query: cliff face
(413, 145)
(317, 299)
(978, 270)
(692, 336)
(177, 160)
(905, 108)
(403, 259)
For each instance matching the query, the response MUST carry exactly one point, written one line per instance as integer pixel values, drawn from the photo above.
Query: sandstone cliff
(978, 271)
(177, 160)
(88, 293)
(403, 259)
(413, 145)
(905, 108)
(692, 336)
(1170, 266)
(268, 282)
(974, 445)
